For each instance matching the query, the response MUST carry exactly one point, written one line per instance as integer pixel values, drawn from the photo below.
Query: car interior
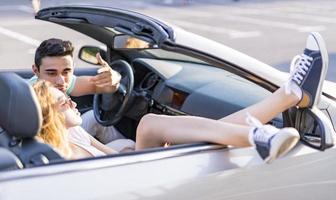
(182, 88)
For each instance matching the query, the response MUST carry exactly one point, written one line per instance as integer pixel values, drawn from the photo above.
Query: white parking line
(26, 9)
(306, 9)
(314, 18)
(23, 8)
(280, 13)
(232, 33)
(20, 22)
(251, 20)
(277, 24)
(19, 36)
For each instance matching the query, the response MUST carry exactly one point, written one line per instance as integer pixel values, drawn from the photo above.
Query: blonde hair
(53, 131)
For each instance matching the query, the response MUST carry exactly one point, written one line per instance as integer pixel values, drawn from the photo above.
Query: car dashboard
(178, 88)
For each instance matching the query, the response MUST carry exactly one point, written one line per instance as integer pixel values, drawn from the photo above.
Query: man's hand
(107, 80)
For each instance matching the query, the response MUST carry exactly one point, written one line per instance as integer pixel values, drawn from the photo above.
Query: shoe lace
(261, 134)
(298, 69)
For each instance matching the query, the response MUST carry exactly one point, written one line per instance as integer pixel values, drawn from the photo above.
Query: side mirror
(315, 128)
(88, 54)
(129, 42)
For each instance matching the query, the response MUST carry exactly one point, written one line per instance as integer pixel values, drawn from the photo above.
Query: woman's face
(66, 106)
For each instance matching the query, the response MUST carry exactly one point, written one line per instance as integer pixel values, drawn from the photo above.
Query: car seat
(21, 120)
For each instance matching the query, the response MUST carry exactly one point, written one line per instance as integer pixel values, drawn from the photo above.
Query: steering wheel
(109, 108)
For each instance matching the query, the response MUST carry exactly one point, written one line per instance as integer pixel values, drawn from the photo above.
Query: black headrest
(20, 112)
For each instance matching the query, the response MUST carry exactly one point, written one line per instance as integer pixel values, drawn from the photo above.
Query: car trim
(109, 161)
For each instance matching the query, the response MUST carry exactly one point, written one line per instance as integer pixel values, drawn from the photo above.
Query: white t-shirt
(34, 79)
(79, 137)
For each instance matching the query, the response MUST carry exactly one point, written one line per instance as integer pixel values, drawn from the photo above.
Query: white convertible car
(174, 73)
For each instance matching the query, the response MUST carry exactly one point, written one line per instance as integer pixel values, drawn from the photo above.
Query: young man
(54, 62)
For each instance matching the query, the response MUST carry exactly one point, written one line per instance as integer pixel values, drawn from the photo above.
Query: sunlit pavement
(271, 31)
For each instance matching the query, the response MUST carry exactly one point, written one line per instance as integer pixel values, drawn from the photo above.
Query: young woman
(53, 129)
(61, 128)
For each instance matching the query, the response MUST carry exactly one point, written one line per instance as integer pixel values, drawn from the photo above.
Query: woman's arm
(100, 146)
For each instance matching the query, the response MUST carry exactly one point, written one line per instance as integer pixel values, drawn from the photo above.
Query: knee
(147, 124)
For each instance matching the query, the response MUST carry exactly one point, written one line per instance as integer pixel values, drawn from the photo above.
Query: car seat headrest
(20, 112)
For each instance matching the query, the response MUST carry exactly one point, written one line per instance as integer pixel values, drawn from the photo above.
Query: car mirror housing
(88, 54)
(123, 41)
(315, 128)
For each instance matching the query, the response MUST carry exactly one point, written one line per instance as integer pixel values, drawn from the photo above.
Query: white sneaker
(271, 142)
(308, 71)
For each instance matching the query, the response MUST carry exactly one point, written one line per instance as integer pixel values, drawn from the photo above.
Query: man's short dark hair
(53, 47)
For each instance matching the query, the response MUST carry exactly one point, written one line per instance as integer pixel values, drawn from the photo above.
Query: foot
(308, 72)
(271, 142)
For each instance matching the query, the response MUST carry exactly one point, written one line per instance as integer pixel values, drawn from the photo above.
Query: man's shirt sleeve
(71, 87)
(32, 80)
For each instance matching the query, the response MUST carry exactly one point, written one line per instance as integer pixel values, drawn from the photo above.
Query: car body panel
(296, 178)
(192, 175)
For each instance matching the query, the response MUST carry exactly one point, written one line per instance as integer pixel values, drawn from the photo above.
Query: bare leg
(154, 130)
(266, 109)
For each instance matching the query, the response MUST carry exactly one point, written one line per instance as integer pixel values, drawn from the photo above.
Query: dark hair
(52, 47)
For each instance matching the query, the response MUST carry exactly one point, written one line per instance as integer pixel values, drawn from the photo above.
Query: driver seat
(21, 120)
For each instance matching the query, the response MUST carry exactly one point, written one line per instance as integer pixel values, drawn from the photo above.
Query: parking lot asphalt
(272, 31)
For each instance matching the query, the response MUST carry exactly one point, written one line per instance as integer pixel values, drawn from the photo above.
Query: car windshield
(168, 55)
(163, 54)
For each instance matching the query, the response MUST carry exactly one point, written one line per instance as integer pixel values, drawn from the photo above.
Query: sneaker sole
(287, 139)
(325, 64)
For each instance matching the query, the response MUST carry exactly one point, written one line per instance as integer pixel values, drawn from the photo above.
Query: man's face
(57, 69)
